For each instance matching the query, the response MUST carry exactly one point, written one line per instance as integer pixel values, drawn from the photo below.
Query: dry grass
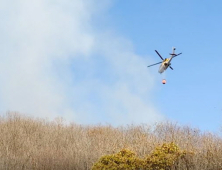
(27, 143)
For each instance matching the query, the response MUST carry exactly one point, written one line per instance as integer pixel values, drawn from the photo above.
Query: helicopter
(166, 62)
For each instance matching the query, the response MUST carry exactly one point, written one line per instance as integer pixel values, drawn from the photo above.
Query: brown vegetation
(28, 143)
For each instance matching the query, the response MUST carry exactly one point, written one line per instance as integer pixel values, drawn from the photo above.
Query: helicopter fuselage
(165, 64)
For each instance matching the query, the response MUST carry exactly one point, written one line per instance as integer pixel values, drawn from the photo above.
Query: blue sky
(192, 94)
(87, 61)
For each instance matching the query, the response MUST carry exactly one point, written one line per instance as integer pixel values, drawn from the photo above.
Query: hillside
(28, 143)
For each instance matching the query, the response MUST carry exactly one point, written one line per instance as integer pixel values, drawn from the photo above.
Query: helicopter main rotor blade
(171, 67)
(159, 54)
(154, 64)
(177, 54)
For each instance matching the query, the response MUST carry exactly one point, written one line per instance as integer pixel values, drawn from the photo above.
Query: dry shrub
(29, 143)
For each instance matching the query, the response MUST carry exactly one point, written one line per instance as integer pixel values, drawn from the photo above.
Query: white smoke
(55, 61)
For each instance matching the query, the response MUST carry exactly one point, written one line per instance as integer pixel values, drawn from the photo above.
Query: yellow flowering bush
(125, 159)
(162, 158)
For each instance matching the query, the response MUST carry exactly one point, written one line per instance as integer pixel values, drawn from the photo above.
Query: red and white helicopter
(166, 62)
